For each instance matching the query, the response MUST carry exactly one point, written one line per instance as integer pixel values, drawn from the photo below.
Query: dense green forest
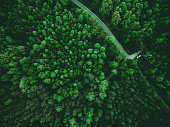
(59, 68)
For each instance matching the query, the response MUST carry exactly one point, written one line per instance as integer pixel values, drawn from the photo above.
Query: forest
(84, 63)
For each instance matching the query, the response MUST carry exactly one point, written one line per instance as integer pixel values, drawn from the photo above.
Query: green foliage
(59, 68)
(106, 7)
(90, 96)
(130, 71)
(133, 22)
(116, 18)
(4, 58)
(128, 96)
(59, 49)
(7, 102)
